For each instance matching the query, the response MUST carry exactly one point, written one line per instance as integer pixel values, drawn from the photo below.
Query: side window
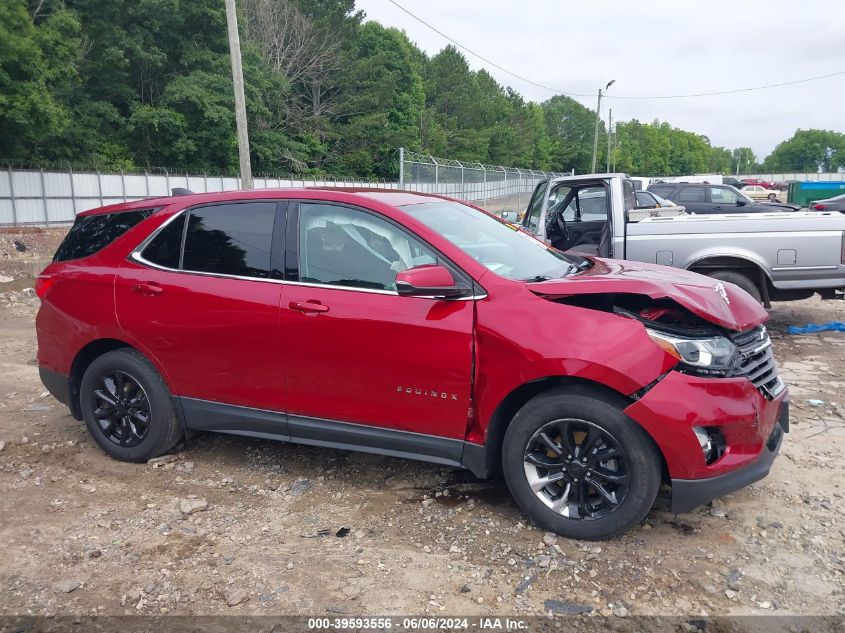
(230, 239)
(556, 198)
(645, 200)
(92, 233)
(532, 216)
(720, 195)
(166, 246)
(593, 203)
(691, 194)
(345, 247)
(663, 192)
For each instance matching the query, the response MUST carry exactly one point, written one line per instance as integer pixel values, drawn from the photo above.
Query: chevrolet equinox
(413, 326)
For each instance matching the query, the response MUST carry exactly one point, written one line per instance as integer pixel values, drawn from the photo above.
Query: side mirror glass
(429, 281)
(510, 216)
(741, 203)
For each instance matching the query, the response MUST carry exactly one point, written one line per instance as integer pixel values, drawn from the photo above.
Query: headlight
(715, 353)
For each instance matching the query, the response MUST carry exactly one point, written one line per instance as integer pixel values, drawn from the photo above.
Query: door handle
(308, 306)
(147, 289)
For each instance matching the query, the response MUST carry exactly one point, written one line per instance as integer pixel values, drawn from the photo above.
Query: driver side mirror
(741, 203)
(429, 281)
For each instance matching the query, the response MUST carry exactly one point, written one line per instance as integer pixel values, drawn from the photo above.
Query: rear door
(693, 198)
(201, 299)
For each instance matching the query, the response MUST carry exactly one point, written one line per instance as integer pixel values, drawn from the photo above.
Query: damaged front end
(701, 348)
(719, 414)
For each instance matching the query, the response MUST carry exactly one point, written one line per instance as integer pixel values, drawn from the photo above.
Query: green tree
(36, 69)
(380, 103)
(743, 160)
(571, 128)
(810, 151)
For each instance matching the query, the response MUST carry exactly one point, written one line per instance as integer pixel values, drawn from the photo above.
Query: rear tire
(127, 407)
(773, 196)
(738, 279)
(621, 460)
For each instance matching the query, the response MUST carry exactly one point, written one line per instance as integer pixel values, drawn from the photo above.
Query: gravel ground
(240, 526)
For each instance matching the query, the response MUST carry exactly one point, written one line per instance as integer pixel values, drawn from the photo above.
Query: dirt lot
(242, 526)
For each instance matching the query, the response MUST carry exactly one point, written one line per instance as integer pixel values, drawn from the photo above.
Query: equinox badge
(416, 391)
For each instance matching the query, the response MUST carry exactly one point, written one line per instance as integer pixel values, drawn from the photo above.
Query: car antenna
(181, 191)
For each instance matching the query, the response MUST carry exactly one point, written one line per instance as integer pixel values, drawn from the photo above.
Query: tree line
(128, 84)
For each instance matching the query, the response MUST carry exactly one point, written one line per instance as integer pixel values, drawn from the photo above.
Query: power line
(578, 94)
(484, 59)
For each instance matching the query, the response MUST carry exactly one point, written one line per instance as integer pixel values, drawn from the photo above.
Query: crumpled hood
(721, 303)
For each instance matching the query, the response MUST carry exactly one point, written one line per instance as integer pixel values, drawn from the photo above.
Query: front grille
(756, 361)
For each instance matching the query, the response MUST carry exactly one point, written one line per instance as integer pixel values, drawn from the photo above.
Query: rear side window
(691, 194)
(166, 247)
(92, 233)
(230, 239)
(663, 192)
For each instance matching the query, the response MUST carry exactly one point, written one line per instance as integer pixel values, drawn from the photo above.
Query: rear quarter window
(92, 233)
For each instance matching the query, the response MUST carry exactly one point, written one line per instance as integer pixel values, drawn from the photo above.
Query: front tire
(578, 466)
(127, 407)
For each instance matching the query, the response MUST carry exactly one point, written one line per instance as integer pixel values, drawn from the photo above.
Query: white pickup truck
(773, 256)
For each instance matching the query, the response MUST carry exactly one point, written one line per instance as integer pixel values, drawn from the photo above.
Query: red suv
(412, 326)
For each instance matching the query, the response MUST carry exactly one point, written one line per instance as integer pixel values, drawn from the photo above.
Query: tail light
(819, 207)
(42, 285)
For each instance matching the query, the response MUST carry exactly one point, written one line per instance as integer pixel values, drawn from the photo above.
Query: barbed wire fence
(53, 193)
(494, 187)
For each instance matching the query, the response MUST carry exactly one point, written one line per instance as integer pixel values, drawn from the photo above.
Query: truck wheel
(127, 407)
(578, 466)
(738, 279)
(773, 196)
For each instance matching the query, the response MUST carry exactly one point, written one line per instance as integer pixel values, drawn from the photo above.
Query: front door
(355, 351)
(723, 200)
(207, 312)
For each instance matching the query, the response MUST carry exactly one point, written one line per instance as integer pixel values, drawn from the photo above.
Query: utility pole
(598, 118)
(596, 136)
(609, 136)
(240, 100)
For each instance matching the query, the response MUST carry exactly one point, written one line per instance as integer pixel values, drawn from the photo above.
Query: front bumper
(751, 424)
(688, 494)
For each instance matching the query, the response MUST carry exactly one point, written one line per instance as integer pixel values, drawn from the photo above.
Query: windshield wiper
(536, 279)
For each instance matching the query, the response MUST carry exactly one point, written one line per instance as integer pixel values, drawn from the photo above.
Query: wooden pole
(240, 100)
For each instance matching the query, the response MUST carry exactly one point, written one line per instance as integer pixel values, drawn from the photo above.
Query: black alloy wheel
(577, 465)
(577, 469)
(122, 409)
(128, 408)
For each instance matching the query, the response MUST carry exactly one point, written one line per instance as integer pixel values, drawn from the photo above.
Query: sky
(656, 47)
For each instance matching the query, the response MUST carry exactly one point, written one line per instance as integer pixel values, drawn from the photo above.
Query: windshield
(500, 247)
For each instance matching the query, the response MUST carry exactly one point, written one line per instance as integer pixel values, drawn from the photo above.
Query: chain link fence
(493, 187)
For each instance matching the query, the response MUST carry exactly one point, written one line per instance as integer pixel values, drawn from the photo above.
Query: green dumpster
(803, 193)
